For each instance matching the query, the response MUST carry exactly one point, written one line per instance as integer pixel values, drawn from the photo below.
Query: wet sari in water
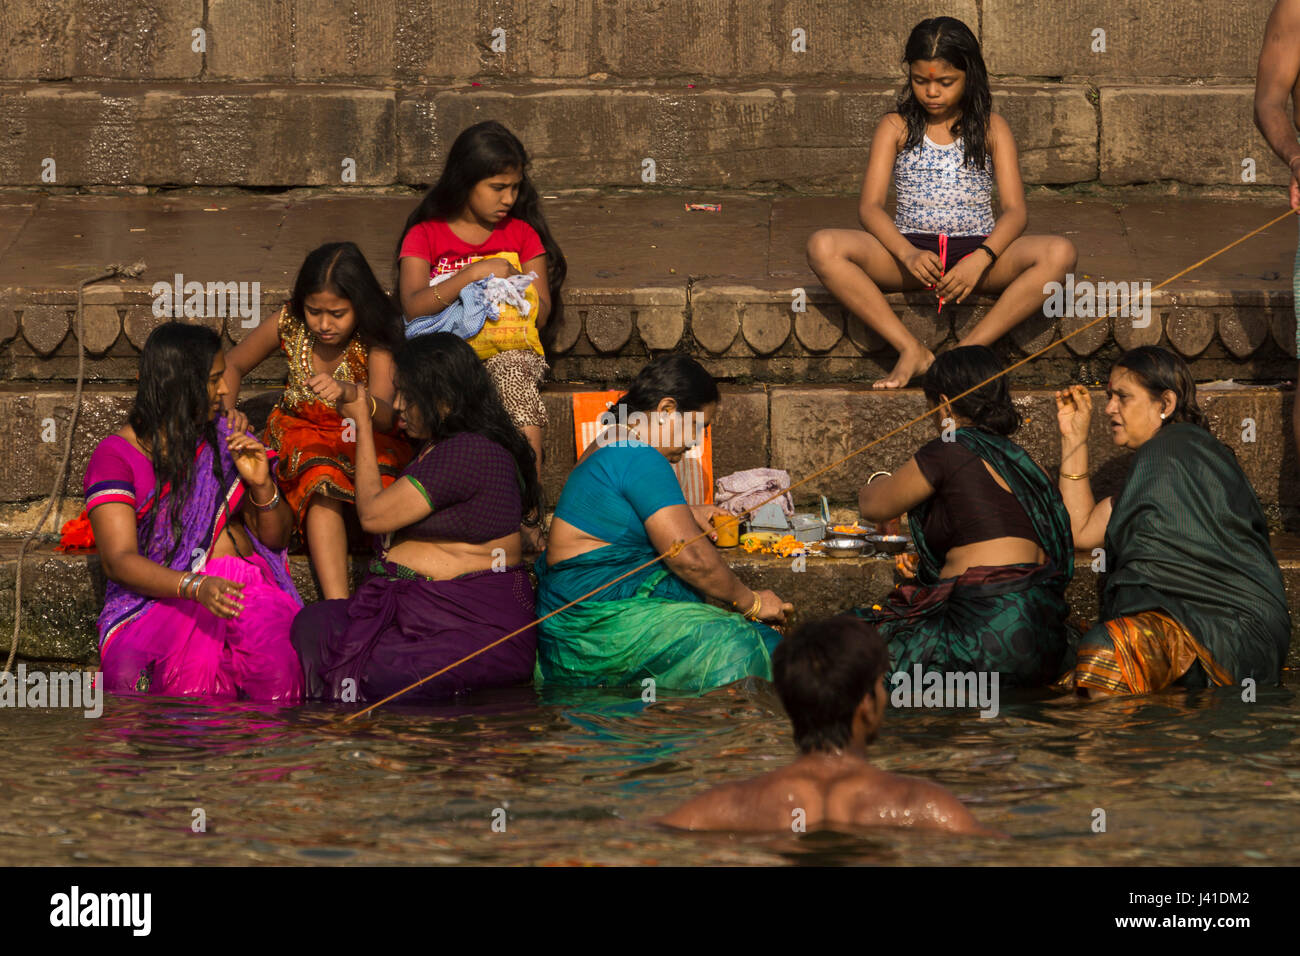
(1192, 593)
(177, 647)
(651, 624)
(1009, 619)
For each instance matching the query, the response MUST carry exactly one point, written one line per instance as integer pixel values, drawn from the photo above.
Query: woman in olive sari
(1192, 593)
(991, 533)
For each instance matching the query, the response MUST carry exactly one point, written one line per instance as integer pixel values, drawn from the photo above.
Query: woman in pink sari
(191, 531)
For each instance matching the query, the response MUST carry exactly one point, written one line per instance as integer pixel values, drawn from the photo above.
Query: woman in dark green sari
(1192, 593)
(991, 533)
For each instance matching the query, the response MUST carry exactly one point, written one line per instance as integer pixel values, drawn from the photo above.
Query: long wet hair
(341, 269)
(947, 38)
(822, 673)
(1159, 370)
(449, 386)
(989, 408)
(172, 415)
(480, 152)
(674, 376)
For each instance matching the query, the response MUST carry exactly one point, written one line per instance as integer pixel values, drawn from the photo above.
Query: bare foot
(912, 361)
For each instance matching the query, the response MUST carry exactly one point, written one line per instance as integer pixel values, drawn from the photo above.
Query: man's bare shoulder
(766, 802)
(887, 799)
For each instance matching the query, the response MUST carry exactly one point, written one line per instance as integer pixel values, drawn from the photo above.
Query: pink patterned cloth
(738, 492)
(179, 648)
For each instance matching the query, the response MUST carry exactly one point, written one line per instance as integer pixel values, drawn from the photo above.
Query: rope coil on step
(679, 545)
(113, 271)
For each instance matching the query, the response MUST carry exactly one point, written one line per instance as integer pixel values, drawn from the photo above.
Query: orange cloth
(695, 470)
(1151, 651)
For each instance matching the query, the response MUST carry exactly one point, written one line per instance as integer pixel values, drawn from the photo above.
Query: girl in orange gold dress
(337, 331)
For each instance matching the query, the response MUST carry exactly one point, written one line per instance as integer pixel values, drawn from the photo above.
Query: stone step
(801, 429)
(394, 40)
(718, 94)
(708, 135)
(645, 275)
(63, 594)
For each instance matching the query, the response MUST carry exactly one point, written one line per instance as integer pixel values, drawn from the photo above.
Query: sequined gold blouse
(297, 340)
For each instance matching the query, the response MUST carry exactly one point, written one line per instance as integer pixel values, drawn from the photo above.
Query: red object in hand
(943, 261)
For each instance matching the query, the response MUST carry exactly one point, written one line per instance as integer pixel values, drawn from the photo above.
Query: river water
(525, 777)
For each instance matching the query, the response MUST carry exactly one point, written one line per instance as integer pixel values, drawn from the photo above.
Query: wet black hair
(947, 38)
(988, 408)
(1159, 370)
(674, 376)
(480, 152)
(822, 673)
(172, 414)
(340, 268)
(441, 371)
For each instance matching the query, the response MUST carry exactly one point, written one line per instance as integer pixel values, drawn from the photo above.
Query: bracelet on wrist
(183, 583)
(270, 505)
(374, 406)
(752, 613)
(1064, 474)
(993, 256)
(195, 585)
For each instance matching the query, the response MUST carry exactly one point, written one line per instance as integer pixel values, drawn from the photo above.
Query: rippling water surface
(1183, 778)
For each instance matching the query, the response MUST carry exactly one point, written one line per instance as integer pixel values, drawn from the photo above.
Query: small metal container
(889, 543)
(843, 547)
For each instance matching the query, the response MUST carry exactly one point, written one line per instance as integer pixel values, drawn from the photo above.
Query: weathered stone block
(766, 326)
(715, 318)
(102, 325)
(199, 135)
(1191, 134)
(45, 326)
(58, 39)
(252, 40)
(1143, 38)
(608, 327)
(1243, 331)
(661, 328)
(1189, 330)
(1055, 128)
(818, 328)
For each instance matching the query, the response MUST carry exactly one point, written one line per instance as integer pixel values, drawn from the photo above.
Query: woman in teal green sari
(622, 506)
(992, 537)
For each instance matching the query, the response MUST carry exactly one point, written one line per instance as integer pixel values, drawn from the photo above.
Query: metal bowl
(889, 543)
(841, 546)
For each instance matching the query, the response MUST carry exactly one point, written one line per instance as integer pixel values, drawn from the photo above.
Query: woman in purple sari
(448, 578)
(191, 532)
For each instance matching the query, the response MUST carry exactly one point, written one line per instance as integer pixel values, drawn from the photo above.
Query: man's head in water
(830, 676)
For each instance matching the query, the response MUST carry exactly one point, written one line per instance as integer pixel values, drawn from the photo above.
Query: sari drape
(1009, 619)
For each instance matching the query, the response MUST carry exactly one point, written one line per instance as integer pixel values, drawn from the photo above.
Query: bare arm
(256, 347)
(700, 565)
(379, 509)
(419, 298)
(274, 527)
(1014, 217)
(1088, 517)
(115, 533)
(890, 497)
(875, 187)
(383, 387)
(538, 264)
(1279, 69)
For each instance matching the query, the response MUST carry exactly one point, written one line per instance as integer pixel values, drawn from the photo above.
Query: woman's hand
(702, 514)
(1074, 415)
(356, 406)
(493, 267)
(329, 389)
(249, 456)
(772, 610)
(959, 281)
(924, 264)
(237, 421)
(222, 597)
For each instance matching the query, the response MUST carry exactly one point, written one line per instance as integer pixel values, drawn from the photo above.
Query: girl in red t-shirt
(483, 203)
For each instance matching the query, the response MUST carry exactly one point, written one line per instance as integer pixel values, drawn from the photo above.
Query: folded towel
(478, 302)
(737, 493)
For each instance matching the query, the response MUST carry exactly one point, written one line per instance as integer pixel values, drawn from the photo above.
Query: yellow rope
(678, 546)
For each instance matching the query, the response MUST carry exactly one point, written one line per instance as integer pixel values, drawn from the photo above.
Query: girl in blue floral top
(945, 149)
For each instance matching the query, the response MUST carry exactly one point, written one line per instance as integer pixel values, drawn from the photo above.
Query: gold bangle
(752, 613)
(1074, 477)
(374, 406)
(438, 297)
